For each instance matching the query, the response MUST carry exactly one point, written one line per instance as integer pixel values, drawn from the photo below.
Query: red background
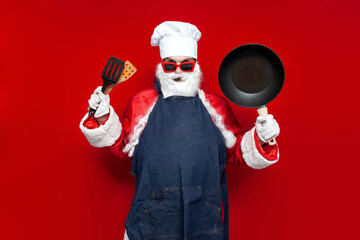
(54, 185)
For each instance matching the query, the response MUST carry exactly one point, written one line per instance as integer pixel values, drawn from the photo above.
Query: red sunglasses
(185, 67)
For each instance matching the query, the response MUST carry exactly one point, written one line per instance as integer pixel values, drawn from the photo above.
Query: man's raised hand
(99, 101)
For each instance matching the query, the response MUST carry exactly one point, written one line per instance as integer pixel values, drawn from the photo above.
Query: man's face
(179, 82)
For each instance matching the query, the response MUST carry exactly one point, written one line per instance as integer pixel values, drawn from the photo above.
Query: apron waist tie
(225, 199)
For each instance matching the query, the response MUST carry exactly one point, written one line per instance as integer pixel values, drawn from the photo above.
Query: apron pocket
(165, 219)
(203, 217)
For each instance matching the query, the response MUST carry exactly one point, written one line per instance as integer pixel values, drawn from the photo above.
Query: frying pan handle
(263, 112)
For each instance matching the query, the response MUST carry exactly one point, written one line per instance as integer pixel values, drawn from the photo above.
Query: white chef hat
(176, 39)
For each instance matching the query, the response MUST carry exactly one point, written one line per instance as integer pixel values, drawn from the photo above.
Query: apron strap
(224, 191)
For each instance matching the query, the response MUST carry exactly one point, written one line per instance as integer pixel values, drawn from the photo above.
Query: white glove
(100, 102)
(267, 128)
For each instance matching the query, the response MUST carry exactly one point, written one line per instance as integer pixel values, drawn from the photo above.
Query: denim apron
(179, 164)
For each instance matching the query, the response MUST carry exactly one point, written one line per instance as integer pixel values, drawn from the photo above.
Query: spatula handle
(91, 111)
(263, 112)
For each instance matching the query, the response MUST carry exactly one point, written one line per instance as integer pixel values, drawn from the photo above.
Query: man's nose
(178, 70)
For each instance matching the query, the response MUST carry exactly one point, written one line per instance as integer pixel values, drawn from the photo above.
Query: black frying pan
(251, 75)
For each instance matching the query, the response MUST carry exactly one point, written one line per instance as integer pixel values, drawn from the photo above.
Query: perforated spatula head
(128, 71)
(112, 72)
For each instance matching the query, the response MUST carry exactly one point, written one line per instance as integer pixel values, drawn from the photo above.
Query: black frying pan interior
(251, 75)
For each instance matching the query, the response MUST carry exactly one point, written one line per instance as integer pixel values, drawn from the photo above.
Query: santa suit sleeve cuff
(106, 134)
(254, 155)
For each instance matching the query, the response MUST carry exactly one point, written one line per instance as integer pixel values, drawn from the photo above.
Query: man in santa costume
(179, 138)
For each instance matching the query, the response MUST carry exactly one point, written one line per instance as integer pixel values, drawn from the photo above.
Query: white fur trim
(135, 136)
(126, 236)
(230, 138)
(105, 135)
(250, 153)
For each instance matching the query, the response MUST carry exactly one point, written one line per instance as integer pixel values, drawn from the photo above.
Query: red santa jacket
(121, 137)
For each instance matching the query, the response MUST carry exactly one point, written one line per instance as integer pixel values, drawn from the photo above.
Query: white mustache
(182, 75)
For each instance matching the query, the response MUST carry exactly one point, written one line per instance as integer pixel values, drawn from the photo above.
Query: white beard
(188, 86)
